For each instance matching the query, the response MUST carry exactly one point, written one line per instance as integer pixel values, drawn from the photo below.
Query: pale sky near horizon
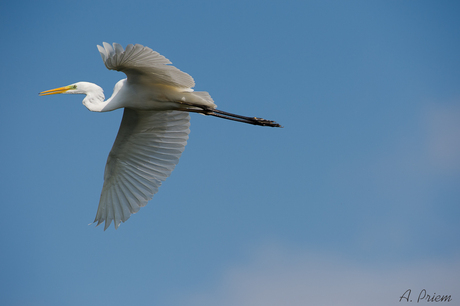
(355, 201)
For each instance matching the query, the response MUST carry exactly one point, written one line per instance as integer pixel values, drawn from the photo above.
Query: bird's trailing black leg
(205, 110)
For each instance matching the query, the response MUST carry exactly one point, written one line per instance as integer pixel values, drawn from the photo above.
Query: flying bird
(157, 99)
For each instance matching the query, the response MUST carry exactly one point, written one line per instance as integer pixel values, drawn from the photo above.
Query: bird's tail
(200, 97)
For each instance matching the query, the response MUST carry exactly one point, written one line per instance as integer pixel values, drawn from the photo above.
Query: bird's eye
(74, 86)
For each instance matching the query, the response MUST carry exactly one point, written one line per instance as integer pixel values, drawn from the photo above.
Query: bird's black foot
(206, 110)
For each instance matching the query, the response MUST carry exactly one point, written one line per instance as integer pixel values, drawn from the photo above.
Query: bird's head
(76, 88)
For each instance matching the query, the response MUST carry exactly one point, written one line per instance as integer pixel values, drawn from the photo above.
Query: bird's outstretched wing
(147, 148)
(143, 65)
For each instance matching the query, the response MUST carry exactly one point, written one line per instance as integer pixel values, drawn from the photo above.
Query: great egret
(156, 98)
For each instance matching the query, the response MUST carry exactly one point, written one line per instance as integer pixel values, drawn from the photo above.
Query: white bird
(156, 98)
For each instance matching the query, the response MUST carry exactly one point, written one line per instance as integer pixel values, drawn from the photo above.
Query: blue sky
(355, 201)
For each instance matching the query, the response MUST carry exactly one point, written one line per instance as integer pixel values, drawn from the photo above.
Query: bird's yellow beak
(56, 90)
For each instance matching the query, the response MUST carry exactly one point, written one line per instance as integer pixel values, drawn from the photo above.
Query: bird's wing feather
(147, 148)
(143, 65)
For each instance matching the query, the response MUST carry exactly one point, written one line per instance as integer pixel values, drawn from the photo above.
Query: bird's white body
(157, 99)
(138, 96)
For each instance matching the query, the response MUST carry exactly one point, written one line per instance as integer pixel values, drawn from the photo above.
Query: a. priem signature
(423, 296)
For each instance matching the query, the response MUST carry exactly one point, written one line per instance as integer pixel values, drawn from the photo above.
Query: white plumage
(157, 99)
(147, 148)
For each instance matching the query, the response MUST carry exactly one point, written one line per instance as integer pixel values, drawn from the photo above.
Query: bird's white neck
(94, 100)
